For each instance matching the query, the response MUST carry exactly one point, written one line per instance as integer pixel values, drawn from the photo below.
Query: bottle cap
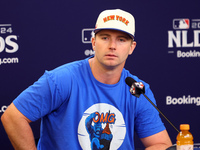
(184, 127)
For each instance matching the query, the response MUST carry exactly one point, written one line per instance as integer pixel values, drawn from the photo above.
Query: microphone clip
(137, 88)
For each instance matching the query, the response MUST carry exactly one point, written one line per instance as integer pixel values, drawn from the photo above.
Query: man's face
(112, 48)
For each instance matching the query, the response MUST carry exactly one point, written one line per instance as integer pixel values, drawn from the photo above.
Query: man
(72, 100)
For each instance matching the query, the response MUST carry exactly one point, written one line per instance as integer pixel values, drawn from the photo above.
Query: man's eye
(122, 40)
(104, 38)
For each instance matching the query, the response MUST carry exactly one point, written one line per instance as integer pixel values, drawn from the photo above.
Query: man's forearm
(18, 129)
(158, 147)
(158, 141)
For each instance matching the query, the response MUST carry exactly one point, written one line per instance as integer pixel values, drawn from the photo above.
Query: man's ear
(133, 45)
(93, 43)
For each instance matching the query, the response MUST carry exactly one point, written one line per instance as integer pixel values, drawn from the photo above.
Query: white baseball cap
(116, 19)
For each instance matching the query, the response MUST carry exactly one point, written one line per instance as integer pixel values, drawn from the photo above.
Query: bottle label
(184, 147)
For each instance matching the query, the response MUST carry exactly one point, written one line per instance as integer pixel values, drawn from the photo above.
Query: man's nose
(112, 45)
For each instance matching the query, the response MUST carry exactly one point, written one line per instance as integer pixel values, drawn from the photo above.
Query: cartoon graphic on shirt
(100, 138)
(106, 137)
(101, 127)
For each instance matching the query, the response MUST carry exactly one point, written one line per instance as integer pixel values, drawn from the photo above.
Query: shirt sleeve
(147, 120)
(44, 96)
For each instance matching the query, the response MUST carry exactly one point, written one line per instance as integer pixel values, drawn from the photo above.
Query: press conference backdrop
(39, 35)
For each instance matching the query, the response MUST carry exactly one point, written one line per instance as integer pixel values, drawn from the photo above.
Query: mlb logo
(181, 23)
(139, 85)
(87, 35)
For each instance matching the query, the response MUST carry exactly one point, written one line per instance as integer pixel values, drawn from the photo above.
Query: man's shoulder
(135, 77)
(75, 65)
(69, 70)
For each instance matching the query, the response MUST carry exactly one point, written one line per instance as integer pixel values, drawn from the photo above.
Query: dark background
(49, 34)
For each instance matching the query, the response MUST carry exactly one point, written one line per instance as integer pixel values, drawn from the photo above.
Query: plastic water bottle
(184, 138)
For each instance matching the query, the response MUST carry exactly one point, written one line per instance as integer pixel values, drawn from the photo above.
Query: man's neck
(103, 74)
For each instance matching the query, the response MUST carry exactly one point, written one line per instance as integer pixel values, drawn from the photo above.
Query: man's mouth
(111, 55)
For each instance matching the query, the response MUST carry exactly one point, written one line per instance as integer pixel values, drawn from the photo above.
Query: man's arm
(18, 129)
(159, 141)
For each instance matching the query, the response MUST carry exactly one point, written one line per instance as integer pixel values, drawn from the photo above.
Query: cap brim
(97, 30)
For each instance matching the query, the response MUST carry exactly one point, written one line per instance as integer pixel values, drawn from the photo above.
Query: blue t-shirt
(79, 112)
